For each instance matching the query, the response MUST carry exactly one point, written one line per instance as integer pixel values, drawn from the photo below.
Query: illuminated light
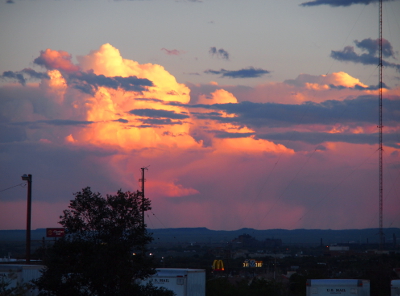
(218, 265)
(252, 263)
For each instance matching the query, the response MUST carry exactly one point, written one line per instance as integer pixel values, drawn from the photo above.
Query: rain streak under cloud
(300, 153)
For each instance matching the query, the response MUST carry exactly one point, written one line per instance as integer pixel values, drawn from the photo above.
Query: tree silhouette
(104, 250)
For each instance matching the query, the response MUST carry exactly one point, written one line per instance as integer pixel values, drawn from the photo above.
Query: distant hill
(204, 235)
(296, 236)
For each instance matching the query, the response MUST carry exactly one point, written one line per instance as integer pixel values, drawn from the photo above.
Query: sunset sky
(246, 113)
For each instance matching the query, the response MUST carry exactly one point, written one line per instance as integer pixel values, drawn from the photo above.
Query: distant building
(338, 251)
(247, 241)
(339, 248)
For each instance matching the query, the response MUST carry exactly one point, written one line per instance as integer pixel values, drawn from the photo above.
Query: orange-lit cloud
(306, 87)
(213, 160)
(220, 96)
(52, 59)
(324, 81)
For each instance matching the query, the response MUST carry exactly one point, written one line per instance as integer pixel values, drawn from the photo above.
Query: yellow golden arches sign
(218, 265)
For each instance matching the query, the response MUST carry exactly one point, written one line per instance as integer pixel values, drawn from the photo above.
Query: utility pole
(142, 180)
(142, 193)
(28, 178)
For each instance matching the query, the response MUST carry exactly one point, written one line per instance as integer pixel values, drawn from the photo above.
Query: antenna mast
(381, 236)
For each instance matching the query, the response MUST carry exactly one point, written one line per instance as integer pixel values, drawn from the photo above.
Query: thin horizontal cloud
(219, 53)
(24, 75)
(358, 87)
(65, 122)
(314, 138)
(226, 135)
(122, 120)
(149, 100)
(337, 3)
(86, 82)
(206, 114)
(348, 54)
(156, 113)
(172, 51)
(363, 109)
(249, 72)
(55, 122)
(151, 122)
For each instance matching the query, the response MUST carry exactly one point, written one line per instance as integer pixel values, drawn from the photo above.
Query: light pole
(28, 178)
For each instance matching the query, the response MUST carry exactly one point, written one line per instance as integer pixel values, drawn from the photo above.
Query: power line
(20, 184)
(283, 192)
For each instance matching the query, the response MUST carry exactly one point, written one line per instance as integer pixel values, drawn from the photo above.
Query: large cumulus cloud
(216, 153)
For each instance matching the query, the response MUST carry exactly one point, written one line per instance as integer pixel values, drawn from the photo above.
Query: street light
(28, 178)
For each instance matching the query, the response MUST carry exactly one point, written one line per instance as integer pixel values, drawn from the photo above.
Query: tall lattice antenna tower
(381, 236)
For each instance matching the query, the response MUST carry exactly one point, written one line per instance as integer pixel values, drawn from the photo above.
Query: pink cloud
(172, 51)
(53, 59)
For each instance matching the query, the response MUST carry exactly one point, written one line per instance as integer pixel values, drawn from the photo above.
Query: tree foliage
(103, 251)
(10, 286)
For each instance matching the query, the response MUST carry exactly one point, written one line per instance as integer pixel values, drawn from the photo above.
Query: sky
(246, 114)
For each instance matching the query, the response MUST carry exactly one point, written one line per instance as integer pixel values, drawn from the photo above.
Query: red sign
(55, 232)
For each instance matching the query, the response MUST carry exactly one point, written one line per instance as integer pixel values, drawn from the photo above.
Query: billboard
(55, 232)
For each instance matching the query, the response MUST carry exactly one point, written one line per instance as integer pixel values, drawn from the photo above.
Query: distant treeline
(207, 236)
